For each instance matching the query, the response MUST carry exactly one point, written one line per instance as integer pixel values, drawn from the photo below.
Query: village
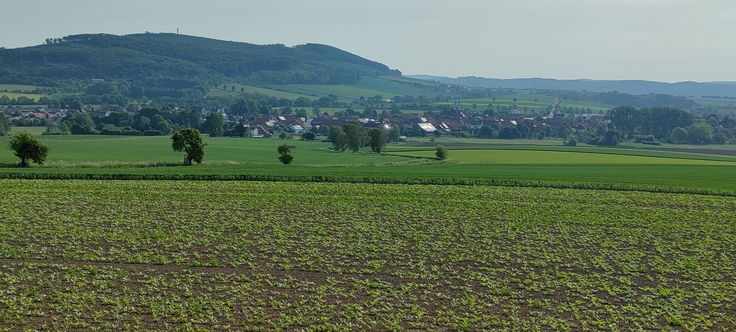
(456, 121)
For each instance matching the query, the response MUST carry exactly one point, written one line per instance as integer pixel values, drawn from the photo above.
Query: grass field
(547, 162)
(715, 102)
(531, 157)
(216, 92)
(527, 101)
(386, 87)
(178, 255)
(78, 149)
(14, 87)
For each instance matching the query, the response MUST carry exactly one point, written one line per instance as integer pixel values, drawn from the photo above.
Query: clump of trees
(190, 141)
(28, 148)
(656, 121)
(353, 136)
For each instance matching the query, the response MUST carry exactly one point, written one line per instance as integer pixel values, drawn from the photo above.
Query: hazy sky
(662, 40)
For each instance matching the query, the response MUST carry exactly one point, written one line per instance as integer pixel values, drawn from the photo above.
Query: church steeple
(458, 106)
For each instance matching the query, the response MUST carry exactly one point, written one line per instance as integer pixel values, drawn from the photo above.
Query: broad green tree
(284, 151)
(699, 133)
(679, 135)
(338, 138)
(378, 139)
(82, 123)
(394, 134)
(355, 135)
(214, 124)
(26, 147)
(189, 141)
(624, 118)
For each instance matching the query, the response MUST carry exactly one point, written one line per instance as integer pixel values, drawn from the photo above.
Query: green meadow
(369, 86)
(545, 161)
(531, 157)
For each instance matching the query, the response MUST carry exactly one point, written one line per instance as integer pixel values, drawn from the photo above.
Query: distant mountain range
(178, 61)
(637, 87)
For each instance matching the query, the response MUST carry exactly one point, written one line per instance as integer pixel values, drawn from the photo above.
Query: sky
(658, 40)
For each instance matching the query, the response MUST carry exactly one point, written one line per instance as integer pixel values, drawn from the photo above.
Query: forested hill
(179, 61)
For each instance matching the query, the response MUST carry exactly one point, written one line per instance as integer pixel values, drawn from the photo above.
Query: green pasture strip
(21, 87)
(715, 102)
(368, 87)
(102, 148)
(13, 95)
(36, 131)
(211, 255)
(527, 100)
(424, 151)
(215, 92)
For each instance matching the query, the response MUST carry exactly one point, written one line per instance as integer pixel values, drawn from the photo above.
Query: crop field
(514, 160)
(163, 255)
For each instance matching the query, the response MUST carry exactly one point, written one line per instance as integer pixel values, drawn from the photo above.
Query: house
(296, 129)
(259, 132)
(427, 127)
(328, 121)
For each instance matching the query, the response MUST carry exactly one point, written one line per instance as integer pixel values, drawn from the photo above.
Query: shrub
(153, 133)
(572, 142)
(309, 136)
(441, 152)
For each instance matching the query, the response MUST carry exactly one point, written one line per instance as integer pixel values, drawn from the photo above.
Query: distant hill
(685, 89)
(179, 61)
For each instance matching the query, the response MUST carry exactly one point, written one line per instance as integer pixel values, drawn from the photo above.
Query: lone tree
(285, 153)
(26, 147)
(441, 152)
(189, 140)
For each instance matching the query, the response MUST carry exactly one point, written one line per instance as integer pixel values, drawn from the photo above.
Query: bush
(441, 152)
(572, 142)
(309, 136)
(153, 133)
(111, 131)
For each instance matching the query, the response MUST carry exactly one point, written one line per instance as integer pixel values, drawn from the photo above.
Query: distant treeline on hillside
(637, 87)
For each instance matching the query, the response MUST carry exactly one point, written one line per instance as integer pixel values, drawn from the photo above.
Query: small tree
(190, 141)
(285, 156)
(26, 147)
(441, 152)
(4, 125)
